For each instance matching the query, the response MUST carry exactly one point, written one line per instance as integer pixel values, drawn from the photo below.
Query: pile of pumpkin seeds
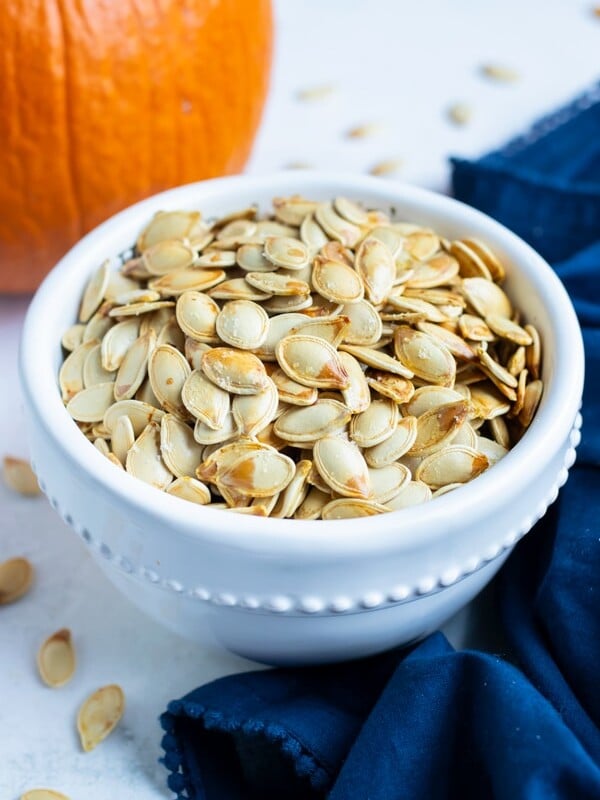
(321, 362)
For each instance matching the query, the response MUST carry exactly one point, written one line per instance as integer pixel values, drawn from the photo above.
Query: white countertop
(396, 63)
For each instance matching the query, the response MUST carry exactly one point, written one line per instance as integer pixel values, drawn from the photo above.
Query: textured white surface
(396, 63)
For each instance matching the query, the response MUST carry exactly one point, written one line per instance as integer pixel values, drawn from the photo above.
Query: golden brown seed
(342, 467)
(234, 371)
(99, 715)
(16, 577)
(19, 476)
(43, 794)
(425, 356)
(311, 361)
(56, 658)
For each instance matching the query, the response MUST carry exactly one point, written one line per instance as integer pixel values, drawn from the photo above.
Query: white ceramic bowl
(286, 591)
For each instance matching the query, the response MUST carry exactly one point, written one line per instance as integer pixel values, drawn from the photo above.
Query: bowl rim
(420, 523)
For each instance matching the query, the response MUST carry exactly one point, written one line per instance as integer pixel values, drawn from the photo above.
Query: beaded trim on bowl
(319, 606)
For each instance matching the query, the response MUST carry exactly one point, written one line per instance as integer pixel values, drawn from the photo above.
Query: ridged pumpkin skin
(104, 102)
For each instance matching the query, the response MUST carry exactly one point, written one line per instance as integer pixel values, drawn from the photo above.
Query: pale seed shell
(251, 259)
(99, 324)
(99, 715)
(168, 370)
(490, 449)
(206, 435)
(389, 236)
(519, 396)
(312, 505)
(475, 329)
(197, 316)
(194, 351)
(342, 467)
(72, 337)
(279, 327)
(375, 265)
(471, 265)
(507, 329)
(94, 292)
(242, 323)
(320, 307)
(337, 227)
(90, 405)
(183, 280)
(424, 356)
(293, 210)
(351, 211)
(394, 446)
(373, 358)
(450, 487)
(253, 412)
(139, 413)
(312, 234)
(500, 432)
(70, 377)
(179, 450)
(533, 395)
(533, 353)
(135, 309)
(386, 384)
(364, 324)
(204, 400)
(236, 289)
(56, 658)
(457, 346)
(16, 577)
(101, 445)
(495, 370)
(517, 362)
(452, 464)
(292, 496)
(235, 371)
(437, 271)
(312, 422)
(132, 371)
(144, 460)
(117, 342)
(375, 424)
(167, 256)
(135, 296)
(336, 281)
(486, 298)
(290, 304)
(350, 508)
(356, 395)
(489, 258)
(43, 794)
(169, 225)
(332, 329)
(261, 473)
(438, 427)
(487, 403)
(414, 493)
(274, 283)
(190, 489)
(157, 319)
(388, 481)
(284, 251)
(171, 334)
(466, 435)
(422, 244)
(217, 259)
(123, 437)
(19, 476)
(311, 361)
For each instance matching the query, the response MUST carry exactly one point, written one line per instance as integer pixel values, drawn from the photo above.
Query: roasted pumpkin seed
(99, 715)
(56, 658)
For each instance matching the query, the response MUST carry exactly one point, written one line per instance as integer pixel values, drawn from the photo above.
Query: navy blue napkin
(435, 723)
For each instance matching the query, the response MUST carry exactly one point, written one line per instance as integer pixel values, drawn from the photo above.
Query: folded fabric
(434, 723)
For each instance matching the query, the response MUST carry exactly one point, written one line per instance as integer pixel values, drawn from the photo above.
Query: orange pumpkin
(103, 102)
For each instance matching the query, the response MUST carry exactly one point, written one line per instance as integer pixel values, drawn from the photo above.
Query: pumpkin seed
(205, 434)
(43, 794)
(72, 337)
(395, 446)
(183, 280)
(99, 324)
(251, 259)
(194, 351)
(312, 422)
(320, 307)
(134, 366)
(292, 210)
(169, 225)
(342, 467)
(336, 281)
(452, 464)
(349, 508)
(312, 234)
(204, 400)
(312, 505)
(171, 334)
(168, 370)
(450, 487)
(235, 371)
(16, 577)
(516, 363)
(253, 412)
(457, 346)
(332, 329)
(336, 226)
(285, 251)
(460, 113)
(117, 342)
(292, 496)
(491, 261)
(135, 309)
(19, 476)
(375, 265)
(486, 298)
(157, 319)
(139, 413)
(167, 256)
(242, 323)
(494, 369)
(70, 377)
(424, 356)
(375, 424)
(471, 265)
(178, 448)
(374, 358)
(364, 323)
(412, 494)
(393, 386)
(56, 658)
(533, 395)
(236, 289)
(388, 481)
(387, 167)
(136, 296)
(311, 361)
(437, 271)
(260, 473)
(94, 292)
(123, 437)
(487, 403)
(144, 459)
(102, 447)
(507, 329)
(196, 315)
(475, 329)
(490, 449)
(356, 395)
(274, 283)
(519, 396)
(99, 715)
(532, 354)
(439, 426)
(90, 405)
(499, 72)
(190, 489)
(500, 432)
(279, 327)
